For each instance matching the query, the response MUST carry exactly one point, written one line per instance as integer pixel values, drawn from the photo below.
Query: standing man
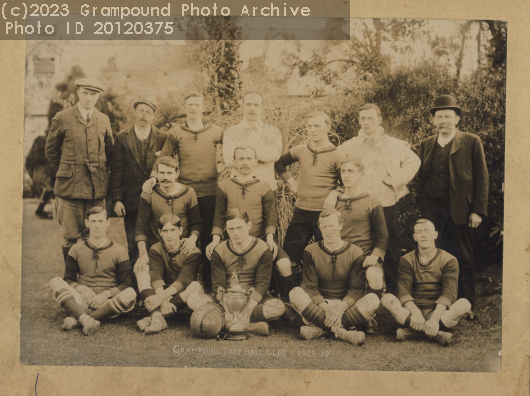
(195, 143)
(135, 152)
(454, 189)
(319, 173)
(79, 147)
(252, 131)
(389, 164)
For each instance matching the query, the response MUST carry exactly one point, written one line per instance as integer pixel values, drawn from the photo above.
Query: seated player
(364, 222)
(251, 259)
(331, 297)
(97, 278)
(168, 280)
(167, 197)
(427, 288)
(254, 196)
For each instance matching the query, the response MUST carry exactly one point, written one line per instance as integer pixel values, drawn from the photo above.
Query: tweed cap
(91, 84)
(148, 102)
(446, 102)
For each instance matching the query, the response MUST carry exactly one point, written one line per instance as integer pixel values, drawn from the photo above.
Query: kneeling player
(170, 280)
(331, 297)
(97, 278)
(251, 259)
(427, 288)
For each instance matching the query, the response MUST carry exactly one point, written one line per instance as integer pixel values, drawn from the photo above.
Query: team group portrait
(267, 204)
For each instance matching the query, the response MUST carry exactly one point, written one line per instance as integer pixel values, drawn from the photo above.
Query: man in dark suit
(79, 147)
(135, 151)
(454, 189)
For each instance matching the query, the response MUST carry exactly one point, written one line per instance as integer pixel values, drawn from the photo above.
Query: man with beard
(169, 197)
(135, 152)
(97, 278)
(247, 192)
(79, 147)
(454, 189)
(195, 144)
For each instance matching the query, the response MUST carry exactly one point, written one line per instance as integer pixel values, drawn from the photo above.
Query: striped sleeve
(449, 283)
(404, 281)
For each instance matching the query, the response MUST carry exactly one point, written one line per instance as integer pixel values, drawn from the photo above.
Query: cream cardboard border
(17, 379)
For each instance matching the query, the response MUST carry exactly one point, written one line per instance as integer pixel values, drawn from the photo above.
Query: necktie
(87, 118)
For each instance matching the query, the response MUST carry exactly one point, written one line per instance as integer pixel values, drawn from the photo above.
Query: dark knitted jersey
(428, 284)
(197, 155)
(101, 269)
(318, 175)
(333, 275)
(364, 224)
(152, 206)
(173, 269)
(255, 197)
(252, 266)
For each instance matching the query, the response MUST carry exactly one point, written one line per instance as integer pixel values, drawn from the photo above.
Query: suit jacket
(79, 153)
(469, 179)
(127, 175)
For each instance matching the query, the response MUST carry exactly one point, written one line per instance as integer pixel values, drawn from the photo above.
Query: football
(207, 321)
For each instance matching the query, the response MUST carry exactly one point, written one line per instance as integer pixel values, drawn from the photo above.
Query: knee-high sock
(316, 315)
(178, 302)
(147, 293)
(363, 309)
(352, 317)
(116, 305)
(67, 301)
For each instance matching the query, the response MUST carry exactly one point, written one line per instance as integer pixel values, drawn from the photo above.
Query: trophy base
(237, 335)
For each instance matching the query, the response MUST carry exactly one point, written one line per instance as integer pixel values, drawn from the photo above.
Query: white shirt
(445, 141)
(84, 112)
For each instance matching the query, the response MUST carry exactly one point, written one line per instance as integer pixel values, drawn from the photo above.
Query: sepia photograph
(267, 204)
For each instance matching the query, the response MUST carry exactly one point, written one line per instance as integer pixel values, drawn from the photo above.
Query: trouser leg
(466, 260)
(391, 257)
(207, 210)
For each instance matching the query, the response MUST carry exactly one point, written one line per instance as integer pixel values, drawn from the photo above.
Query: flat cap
(148, 102)
(91, 84)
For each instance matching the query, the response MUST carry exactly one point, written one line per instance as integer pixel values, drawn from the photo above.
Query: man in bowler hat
(79, 147)
(454, 189)
(135, 151)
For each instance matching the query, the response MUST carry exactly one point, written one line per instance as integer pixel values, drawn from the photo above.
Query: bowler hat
(148, 102)
(446, 102)
(90, 83)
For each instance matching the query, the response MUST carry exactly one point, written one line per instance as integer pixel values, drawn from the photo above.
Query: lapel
(457, 142)
(94, 118)
(77, 114)
(154, 137)
(153, 144)
(429, 152)
(132, 144)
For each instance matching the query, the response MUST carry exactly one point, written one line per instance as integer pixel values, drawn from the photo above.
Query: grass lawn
(476, 345)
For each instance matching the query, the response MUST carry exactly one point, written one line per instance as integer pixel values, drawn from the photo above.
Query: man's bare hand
(142, 264)
(99, 300)
(272, 245)
(474, 220)
(432, 326)
(211, 247)
(370, 260)
(331, 200)
(119, 209)
(86, 292)
(388, 181)
(167, 308)
(153, 302)
(417, 321)
(148, 185)
(188, 244)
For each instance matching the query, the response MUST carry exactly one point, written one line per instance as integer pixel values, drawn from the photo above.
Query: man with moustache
(453, 192)
(319, 172)
(389, 164)
(252, 131)
(167, 197)
(255, 196)
(195, 144)
(135, 152)
(79, 147)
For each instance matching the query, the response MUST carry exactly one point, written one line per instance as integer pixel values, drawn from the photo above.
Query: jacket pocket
(64, 173)
(64, 182)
